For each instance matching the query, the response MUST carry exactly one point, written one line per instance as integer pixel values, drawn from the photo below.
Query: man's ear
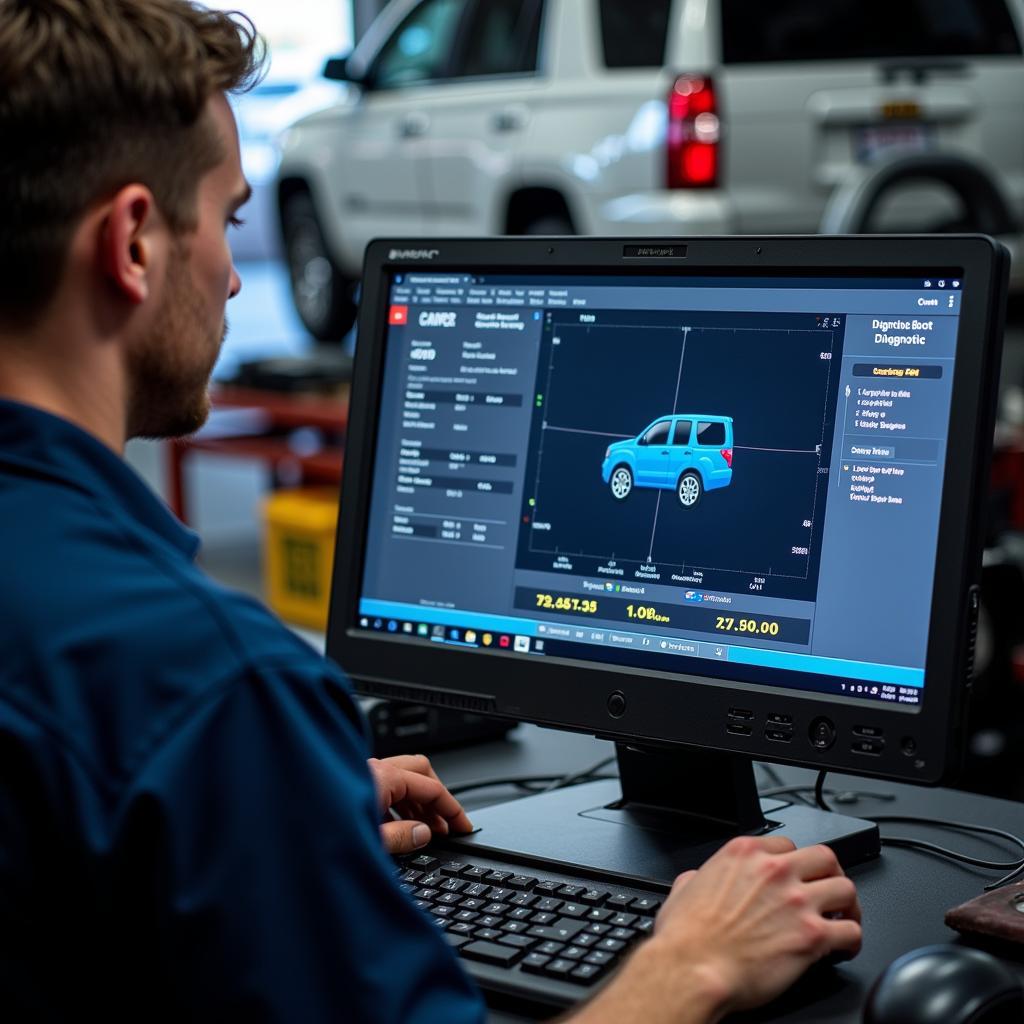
(129, 249)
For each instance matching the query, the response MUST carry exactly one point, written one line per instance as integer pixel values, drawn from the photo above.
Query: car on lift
(688, 454)
(654, 117)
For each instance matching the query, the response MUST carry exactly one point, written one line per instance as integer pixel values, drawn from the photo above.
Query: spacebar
(490, 952)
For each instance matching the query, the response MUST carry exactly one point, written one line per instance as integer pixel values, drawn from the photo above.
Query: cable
(841, 796)
(1014, 867)
(819, 791)
(574, 777)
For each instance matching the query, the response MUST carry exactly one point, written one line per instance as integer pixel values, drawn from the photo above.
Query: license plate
(878, 141)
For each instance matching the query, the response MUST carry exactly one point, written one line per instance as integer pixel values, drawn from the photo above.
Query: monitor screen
(733, 476)
(715, 478)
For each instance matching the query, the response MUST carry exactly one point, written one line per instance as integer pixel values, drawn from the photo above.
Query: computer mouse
(945, 985)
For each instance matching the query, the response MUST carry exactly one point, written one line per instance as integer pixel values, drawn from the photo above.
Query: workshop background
(927, 135)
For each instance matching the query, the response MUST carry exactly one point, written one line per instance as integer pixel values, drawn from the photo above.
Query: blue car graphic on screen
(687, 454)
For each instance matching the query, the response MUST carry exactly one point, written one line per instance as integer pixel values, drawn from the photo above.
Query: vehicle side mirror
(337, 70)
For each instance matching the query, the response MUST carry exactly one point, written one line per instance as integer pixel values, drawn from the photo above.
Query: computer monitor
(718, 500)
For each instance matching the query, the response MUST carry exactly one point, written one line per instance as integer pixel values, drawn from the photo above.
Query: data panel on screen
(725, 477)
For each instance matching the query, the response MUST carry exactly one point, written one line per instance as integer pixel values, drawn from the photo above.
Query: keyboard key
(490, 934)
(619, 902)
(571, 890)
(599, 957)
(519, 941)
(645, 925)
(453, 885)
(516, 926)
(425, 894)
(522, 882)
(450, 898)
(598, 928)
(542, 918)
(548, 904)
(622, 920)
(562, 930)
(534, 962)
(500, 894)
(477, 890)
(423, 904)
(453, 867)
(432, 881)
(456, 940)
(547, 888)
(593, 897)
(474, 874)
(598, 914)
(520, 914)
(465, 915)
(491, 952)
(573, 952)
(442, 911)
(574, 909)
(587, 939)
(490, 921)
(468, 903)
(523, 899)
(625, 934)
(497, 909)
(611, 945)
(558, 968)
(410, 875)
(585, 973)
(424, 862)
(461, 928)
(645, 905)
(550, 948)
(497, 877)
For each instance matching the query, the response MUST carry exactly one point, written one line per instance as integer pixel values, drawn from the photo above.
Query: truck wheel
(689, 489)
(621, 483)
(323, 296)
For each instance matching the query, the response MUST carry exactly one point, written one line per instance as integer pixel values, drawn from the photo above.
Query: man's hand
(737, 933)
(408, 787)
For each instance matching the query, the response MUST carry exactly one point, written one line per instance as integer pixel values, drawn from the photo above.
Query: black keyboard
(534, 935)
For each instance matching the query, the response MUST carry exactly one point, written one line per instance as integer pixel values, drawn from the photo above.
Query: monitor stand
(669, 811)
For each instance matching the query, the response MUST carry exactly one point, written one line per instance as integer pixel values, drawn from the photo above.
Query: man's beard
(169, 370)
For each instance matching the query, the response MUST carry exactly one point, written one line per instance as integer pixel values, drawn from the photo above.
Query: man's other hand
(735, 934)
(757, 915)
(407, 786)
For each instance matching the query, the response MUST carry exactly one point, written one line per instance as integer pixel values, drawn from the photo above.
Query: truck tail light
(693, 133)
(727, 455)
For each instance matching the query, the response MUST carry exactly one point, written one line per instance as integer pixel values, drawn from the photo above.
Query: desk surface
(904, 893)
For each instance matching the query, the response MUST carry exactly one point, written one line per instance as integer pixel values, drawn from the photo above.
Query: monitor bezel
(574, 695)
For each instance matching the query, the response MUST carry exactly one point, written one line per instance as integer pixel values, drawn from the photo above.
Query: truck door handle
(511, 119)
(413, 125)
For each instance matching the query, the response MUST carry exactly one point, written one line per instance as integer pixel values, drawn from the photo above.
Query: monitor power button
(616, 704)
(822, 733)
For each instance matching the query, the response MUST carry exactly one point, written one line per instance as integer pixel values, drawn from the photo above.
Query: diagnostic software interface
(729, 477)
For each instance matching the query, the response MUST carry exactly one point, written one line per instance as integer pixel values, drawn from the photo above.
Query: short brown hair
(94, 95)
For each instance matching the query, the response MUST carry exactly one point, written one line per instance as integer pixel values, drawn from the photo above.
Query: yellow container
(299, 528)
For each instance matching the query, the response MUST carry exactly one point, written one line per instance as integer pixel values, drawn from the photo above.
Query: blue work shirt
(188, 829)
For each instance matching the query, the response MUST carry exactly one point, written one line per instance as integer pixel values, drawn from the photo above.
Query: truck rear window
(633, 34)
(794, 30)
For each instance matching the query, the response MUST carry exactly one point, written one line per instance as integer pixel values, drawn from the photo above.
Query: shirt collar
(46, 445)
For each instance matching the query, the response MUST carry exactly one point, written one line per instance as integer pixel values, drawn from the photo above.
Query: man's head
(119, 170)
